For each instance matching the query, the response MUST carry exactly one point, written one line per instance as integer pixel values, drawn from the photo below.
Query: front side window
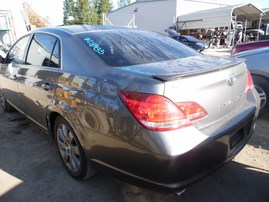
(43, 51)
(133, 47)
(17, 52)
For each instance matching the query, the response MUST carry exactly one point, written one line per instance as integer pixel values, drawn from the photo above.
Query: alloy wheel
(262, 95)
(68, 148)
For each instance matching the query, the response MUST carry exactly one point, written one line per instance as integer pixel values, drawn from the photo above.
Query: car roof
(252, 43)
(76, 29)
(238, 48)
(252, 51)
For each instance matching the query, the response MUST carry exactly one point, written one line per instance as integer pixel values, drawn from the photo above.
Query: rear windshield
(134, 47)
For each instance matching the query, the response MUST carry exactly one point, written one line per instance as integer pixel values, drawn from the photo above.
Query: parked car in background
(188, 40)
(131, 102)
(192, 42)
(248, 46)
(258, 65)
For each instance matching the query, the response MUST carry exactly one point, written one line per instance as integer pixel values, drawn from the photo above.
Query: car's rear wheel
(70, 151)
(262, 87)
(5, 105)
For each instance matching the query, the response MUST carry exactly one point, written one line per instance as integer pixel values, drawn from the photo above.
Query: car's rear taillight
(250, 84)
(192, 110)
(158, 113)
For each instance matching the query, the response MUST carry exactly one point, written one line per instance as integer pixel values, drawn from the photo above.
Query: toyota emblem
(231, 79)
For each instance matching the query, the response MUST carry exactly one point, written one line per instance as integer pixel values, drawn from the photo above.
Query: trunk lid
(217, 84)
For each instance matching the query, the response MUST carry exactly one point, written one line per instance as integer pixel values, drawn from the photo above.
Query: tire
(71, 152)
(5, 105)
(262, 87)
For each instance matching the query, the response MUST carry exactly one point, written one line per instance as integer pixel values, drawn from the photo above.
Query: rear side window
(43, 51)
(134, 47)
(17, 52)
(54, 60)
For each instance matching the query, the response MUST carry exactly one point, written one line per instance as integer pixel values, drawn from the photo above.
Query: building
(220, 17)
(155, 15)
(13, 21)
(265, 22)
(158, 15)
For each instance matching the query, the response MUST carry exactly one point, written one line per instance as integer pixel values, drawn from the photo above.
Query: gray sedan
(257, 63)
(135, 103)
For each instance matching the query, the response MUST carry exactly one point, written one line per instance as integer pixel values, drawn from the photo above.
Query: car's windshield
(132, 47)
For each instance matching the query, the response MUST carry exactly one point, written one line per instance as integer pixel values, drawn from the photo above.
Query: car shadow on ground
(260, 138)
(30, 156)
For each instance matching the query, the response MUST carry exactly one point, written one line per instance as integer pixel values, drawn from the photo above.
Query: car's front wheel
(5, 105)
(70, 151)
(262, 87)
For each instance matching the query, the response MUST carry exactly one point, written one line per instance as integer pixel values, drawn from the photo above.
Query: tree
(93, 15)
(69, 12)
(102, 6)
(122, 3)
(82, 12)
(34, 18)
(85, 11)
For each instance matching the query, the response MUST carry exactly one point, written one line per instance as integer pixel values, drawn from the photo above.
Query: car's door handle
(46, 86)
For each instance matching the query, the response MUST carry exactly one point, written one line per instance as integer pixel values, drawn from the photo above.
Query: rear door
(38, 77)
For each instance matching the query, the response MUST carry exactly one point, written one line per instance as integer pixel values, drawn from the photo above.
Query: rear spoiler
(172, 77)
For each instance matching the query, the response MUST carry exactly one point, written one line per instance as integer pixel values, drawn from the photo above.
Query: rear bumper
(140, 162)
(206, 157)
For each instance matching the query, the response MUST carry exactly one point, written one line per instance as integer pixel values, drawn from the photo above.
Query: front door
(10, 71)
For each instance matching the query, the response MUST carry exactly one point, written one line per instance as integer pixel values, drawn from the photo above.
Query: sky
(54, 8)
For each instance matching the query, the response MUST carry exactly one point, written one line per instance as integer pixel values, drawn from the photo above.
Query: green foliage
(82, 12)
(85, 11)
(94, 16)
(69, 11)
(103, 6)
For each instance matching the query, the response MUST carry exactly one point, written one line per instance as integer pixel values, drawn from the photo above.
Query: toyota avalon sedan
(188, 40)
(135, 103)
(192, 42)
